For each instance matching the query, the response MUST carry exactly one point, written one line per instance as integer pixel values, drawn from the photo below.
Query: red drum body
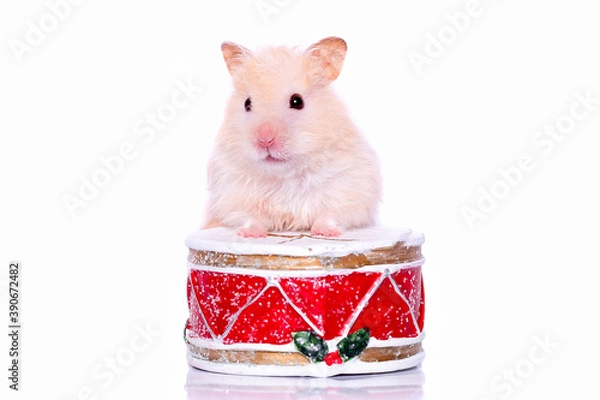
(296, 305)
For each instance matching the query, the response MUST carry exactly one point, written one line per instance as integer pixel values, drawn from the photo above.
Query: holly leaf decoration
(311, 345)
(354, 344)
(185, 328)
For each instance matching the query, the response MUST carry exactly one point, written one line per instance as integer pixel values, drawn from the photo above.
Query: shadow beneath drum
(403, 385)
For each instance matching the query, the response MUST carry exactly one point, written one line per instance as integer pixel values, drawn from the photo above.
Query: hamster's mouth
(270, 159)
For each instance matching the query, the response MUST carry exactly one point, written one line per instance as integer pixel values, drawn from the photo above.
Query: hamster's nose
(266, 135)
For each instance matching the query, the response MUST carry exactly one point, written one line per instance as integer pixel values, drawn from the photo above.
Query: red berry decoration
(333, 358)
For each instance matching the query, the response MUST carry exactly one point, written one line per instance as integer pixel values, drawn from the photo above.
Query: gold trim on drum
(373, 354)
(378, 354)
(397, 254)
(248, 357)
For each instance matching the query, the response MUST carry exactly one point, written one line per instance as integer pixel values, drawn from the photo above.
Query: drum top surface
(302, 243)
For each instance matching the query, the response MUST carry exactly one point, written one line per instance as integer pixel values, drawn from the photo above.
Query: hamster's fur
(287, 156)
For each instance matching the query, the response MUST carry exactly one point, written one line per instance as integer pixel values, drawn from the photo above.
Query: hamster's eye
(296, 102)
(248, 104)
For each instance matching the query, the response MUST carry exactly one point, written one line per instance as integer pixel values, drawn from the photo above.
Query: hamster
(287, 156)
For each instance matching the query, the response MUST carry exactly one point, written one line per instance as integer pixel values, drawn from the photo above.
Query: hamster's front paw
(253, 229)
(326, 227)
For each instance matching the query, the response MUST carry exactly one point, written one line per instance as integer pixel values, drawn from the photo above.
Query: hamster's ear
(325, 59)
(234, 56)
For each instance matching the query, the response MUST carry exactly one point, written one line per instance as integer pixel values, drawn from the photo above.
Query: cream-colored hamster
(287, 156)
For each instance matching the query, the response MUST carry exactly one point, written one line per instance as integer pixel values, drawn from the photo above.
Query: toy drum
(292, 304)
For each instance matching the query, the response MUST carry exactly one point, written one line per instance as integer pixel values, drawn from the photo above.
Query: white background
(524, 273)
